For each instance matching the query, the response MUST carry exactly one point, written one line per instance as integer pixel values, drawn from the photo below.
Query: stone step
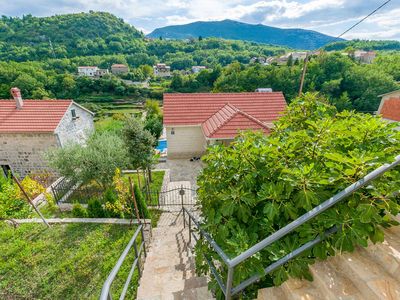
(370, 275)
(367, 273)
(336, 283)
(274, 293)
(296, 289)
(159, 286)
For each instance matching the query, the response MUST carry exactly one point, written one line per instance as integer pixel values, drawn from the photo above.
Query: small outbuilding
(28, 128)
(194, 121)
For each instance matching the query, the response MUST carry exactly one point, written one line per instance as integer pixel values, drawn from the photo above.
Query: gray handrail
(106, 290)
(228, 288)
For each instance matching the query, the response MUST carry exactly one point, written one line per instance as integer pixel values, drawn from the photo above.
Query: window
(172, 131)
(5, 170)
(73, 114)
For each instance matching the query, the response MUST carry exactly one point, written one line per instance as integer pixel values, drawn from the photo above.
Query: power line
(336, 38)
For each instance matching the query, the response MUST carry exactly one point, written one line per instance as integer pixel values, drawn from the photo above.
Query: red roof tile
(35, 116)
(194, 109)
(226, 123)
(391, 109)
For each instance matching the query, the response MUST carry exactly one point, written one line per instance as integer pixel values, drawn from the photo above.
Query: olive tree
(96, 161)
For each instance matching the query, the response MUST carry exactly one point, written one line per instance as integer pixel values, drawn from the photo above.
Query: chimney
(16, 93)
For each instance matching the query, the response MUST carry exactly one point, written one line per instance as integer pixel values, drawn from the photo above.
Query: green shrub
(141, 203)
(95, 209)
(259, 184)
(79, 211)
(12, 203)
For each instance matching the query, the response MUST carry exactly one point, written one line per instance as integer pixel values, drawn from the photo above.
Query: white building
(28, 128)
(87, 71)
(197, 69)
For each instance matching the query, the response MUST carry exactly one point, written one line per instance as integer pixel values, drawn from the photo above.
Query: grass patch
(69, 261)
(155, 185)
(108, 124)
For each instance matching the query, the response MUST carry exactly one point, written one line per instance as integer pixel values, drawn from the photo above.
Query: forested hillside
(101, 39)
(365, 45)
(30, 38)
(229, 29)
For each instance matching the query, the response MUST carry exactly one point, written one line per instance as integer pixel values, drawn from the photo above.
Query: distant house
(87, 71)
(298, 55)
(162, 70)
(101, 72)
(194, 121)
(366, 57)
(295, 56)
(119, 69)
(260, 60)
(198, 69)
(389, 107)
(28, 128)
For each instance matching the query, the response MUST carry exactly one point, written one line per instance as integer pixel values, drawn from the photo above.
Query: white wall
(186, 142)
(75, 131)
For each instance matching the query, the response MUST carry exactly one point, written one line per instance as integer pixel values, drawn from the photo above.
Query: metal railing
(178, 196)
(106, 290)
(227, 287)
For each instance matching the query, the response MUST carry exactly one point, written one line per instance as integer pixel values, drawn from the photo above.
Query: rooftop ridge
(236, 110)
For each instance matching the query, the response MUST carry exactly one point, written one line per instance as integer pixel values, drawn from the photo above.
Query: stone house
(193, 121)
(28, 128)
(365, 57)
(162, 70)
(119, 69)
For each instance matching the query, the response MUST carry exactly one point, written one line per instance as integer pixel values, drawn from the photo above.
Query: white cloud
(329, 16)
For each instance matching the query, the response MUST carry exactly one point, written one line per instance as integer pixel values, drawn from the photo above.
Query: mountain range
(234, 30)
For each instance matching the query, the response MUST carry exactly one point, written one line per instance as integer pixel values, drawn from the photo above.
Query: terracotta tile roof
(226, 123)
(35, 116)
(391, 109)
(194, 109)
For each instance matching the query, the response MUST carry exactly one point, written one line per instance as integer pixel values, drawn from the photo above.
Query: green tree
(139, 143)
(260, 183)
(154, 125)
(141, 203)
(152, 108)
(96, 161)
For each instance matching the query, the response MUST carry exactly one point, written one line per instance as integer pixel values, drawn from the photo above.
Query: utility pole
(303, 75)
(29, 200)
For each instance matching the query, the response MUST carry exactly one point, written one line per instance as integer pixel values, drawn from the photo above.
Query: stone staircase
(169, 271)
(367, 273)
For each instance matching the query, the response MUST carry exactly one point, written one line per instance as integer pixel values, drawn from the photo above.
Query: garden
(72, 261)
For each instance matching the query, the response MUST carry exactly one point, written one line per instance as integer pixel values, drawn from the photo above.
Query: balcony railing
(227, 287)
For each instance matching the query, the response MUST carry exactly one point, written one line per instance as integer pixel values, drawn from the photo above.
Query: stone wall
(24, 152)
(75, 130)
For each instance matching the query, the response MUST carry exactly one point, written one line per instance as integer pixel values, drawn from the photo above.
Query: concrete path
(169, 271)
(183, 169)
(82, 220)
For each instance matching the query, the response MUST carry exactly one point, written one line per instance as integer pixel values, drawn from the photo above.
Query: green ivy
(261, 183)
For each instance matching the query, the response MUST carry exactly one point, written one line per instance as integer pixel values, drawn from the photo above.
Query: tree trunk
(149, 172)
(138, 179)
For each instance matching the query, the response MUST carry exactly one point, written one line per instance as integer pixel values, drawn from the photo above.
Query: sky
(327, 16)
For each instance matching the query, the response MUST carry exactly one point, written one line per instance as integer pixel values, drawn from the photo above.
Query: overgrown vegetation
(65, 262)
(259, 184)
